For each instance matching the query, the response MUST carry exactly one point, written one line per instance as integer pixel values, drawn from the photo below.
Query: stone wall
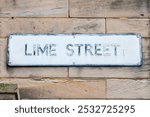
(77, 16)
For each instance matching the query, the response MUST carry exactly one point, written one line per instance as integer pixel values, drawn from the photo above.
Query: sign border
(76, 65)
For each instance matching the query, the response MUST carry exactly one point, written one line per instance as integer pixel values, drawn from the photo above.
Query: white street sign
(74, 50)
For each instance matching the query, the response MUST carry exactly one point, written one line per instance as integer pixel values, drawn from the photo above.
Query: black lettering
(16, 110)
(98, 49)
(52, 110)
(52, 49)
(48, 110)
(22, 110)
(40, 50)
(40, 110)
(67, 109)
(88, 49)
(44, 110)
(69, 48)
(115, 50)
(34, 49)
(56, 110)
(30, 110)
(79, 48)
(26, 49)
(61, 110)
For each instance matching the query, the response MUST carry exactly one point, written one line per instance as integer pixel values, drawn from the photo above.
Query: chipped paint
(75, 50)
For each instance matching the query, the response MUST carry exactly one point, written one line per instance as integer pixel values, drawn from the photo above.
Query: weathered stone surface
(33, 8)
(9, 91)
(124, 26)
(109, 8)
(58, 88)
(8, 88)
(137, 89)
(7, 97)
(50, 26)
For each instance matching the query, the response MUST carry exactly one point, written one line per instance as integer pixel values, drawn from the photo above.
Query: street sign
(74, 50)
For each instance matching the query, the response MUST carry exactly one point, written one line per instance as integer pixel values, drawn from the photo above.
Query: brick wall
(77, 16)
